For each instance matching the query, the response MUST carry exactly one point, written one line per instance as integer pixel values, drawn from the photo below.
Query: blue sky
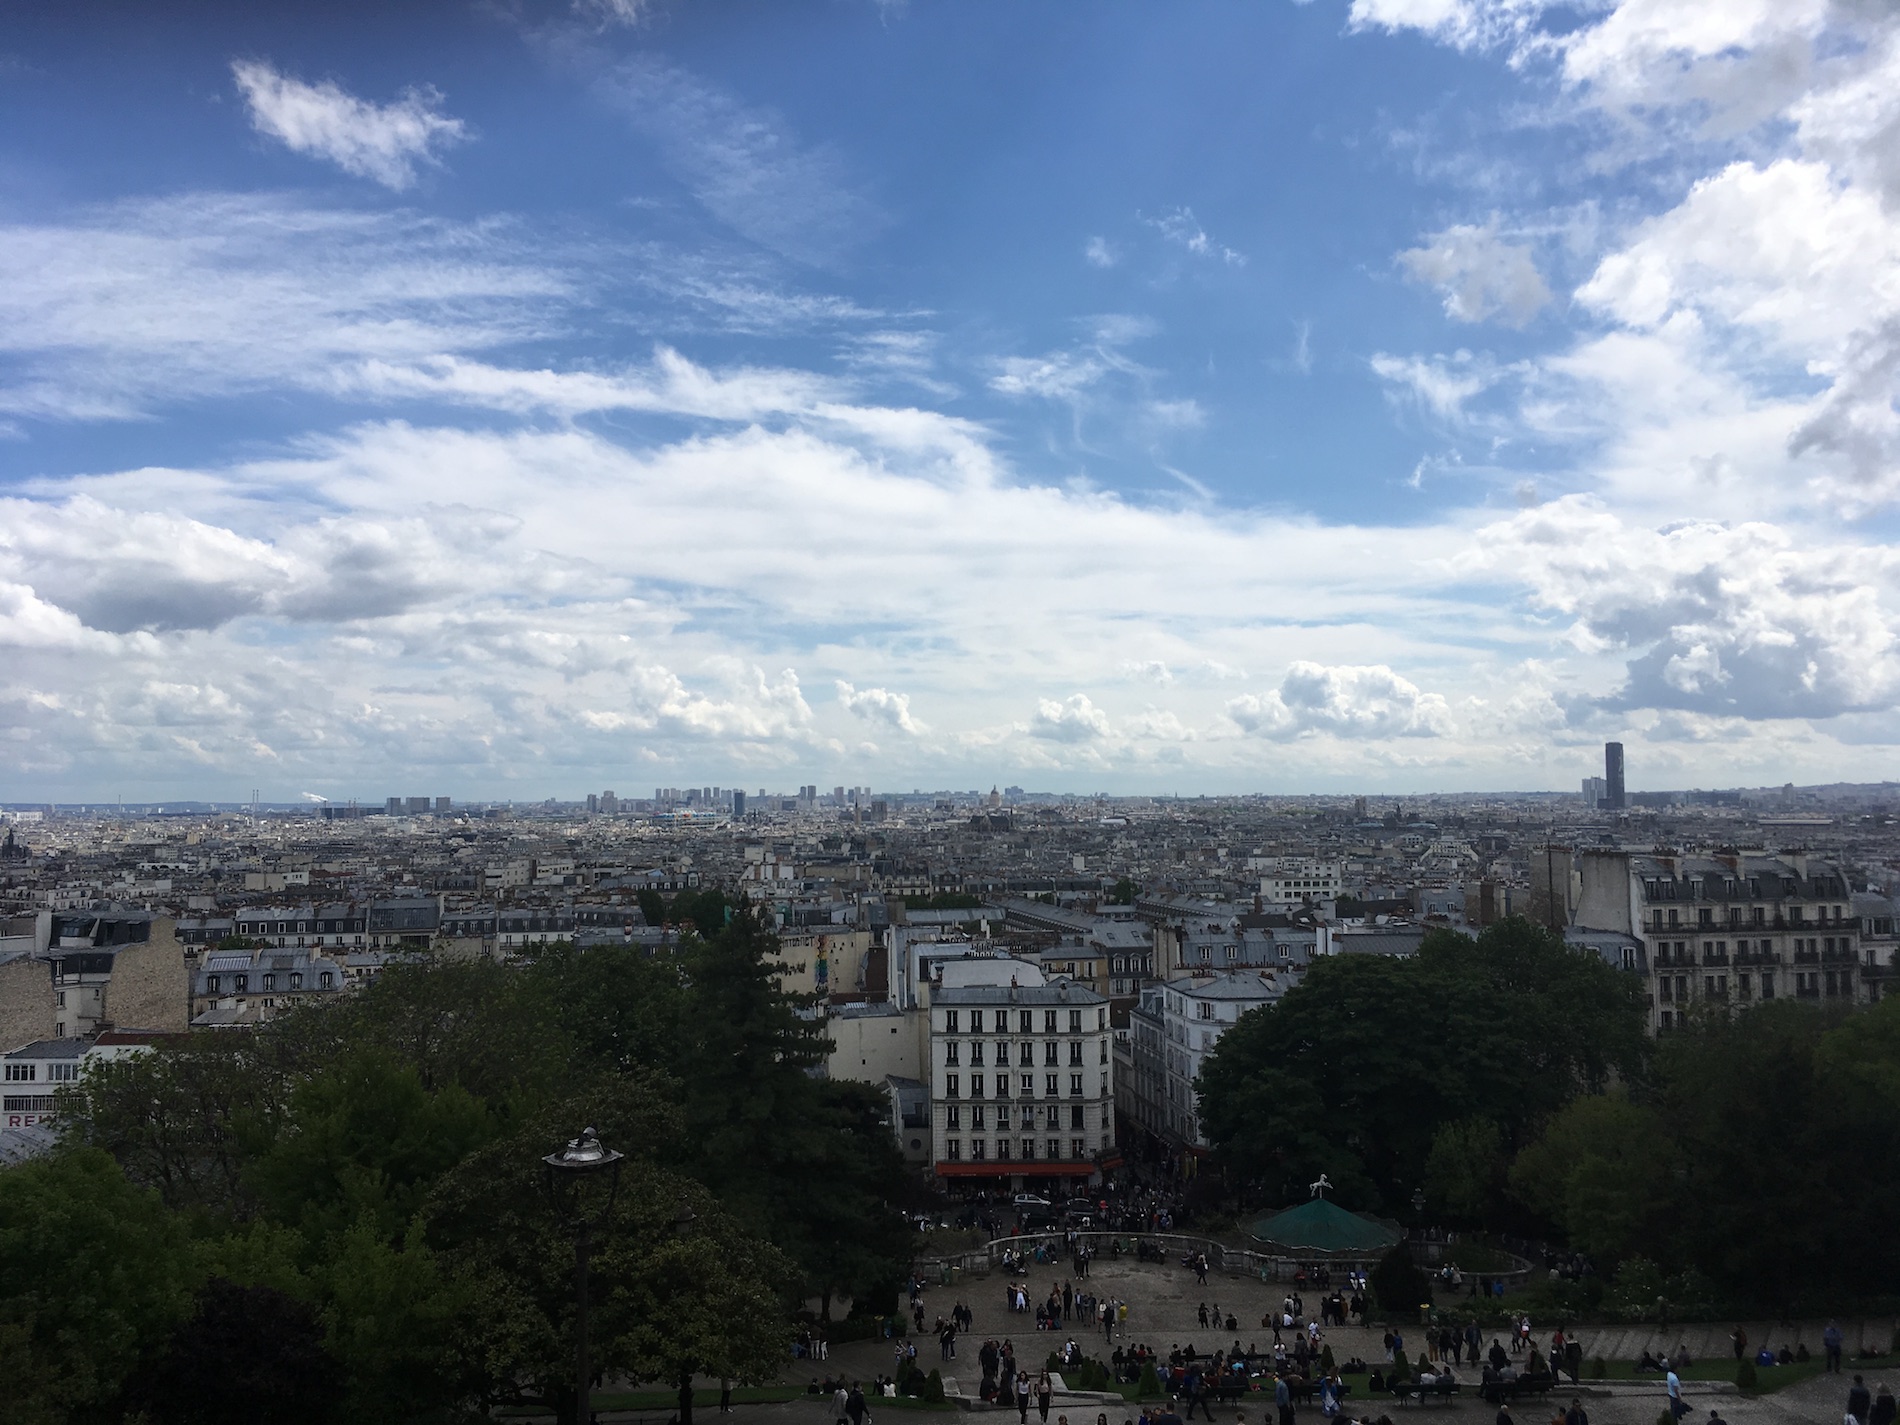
(533, 397)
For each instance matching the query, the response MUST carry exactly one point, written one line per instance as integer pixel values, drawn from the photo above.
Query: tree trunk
(686, 1398)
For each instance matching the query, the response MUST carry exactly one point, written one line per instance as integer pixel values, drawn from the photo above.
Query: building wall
(150, 988)
(872, 1047)
(26, 1002)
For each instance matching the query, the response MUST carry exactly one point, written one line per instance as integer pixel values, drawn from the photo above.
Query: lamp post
(567, 1172)
(1418, 1207)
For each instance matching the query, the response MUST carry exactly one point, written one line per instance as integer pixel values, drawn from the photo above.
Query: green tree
(1465, 1170)
(390, 1319)
(94, 1273)
(652, 906)
(1600, 1172)
(249, 1355)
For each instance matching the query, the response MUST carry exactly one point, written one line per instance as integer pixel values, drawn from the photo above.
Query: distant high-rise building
(1593, 791)
(1613, 795)
(393, 806)
(609, 802)
(443, 805)
(416, 806)
(593, 802)
(738, 802)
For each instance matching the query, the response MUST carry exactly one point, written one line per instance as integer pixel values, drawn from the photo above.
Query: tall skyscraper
(1613, 776)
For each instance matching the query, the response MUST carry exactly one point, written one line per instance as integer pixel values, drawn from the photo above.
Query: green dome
(1322, 1226)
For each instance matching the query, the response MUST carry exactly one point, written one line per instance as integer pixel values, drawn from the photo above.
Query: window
(242, 983)
(976, 1117)
(211, 985)
(976, 1053)
(953, 1149)
(976, 1021)
(950, 1086)
(953, 1116)
(1672, 917)
(1767, 985)
(949, 1021)
(1104, 1051)
(1075, 1085)
(1206, 1008)
(324, 980)
(1075, 1051)
(1662, 989)
(1029, 1086)
(22, 1073)
(1206, 954)
(1029, 1150)
(1078, 1149)
(1048, 1021)
(1002, 1052)
(60, 1000)
(1025, 1022)
(976, 1149)
(951, 1050)
(1101, 1018)
(1075, 1115)
(62, 1073)
(1075, 1021)
(1742, 986)
(1051, 1052)
(270, 982)
(1052, 1084)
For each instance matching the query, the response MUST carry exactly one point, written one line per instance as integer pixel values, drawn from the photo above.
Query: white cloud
(1441, 384)
(1059, 376)
(1099, 253)
(381, 142)
(743, 164)
(1740, 621)
(1479, 274)
(1152, 670)
(1184, 230)
(1343, 701)
(1075, 719)
(879, 705)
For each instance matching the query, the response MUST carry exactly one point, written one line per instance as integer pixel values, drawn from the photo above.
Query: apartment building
(1021, 1082)
(1170, 1034)
(1731, 930)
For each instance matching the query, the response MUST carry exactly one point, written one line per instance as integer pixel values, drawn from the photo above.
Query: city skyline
(1354, 396)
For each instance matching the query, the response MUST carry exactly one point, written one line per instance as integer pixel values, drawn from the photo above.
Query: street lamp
(567, 1172)
(1418, 1205)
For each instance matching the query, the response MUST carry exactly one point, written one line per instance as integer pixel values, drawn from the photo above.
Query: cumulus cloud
(1098, 252)
(879, 705)
(1740, 621)
(382, 142)
(1344, 701)
(1479, 274)
(1074, 719)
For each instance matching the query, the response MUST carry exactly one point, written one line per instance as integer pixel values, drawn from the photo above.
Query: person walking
(1045, 1396)
(1860, 1401)
(1283, 1399)
(1738, 1338)
(1673, 1385)
(1831, 1340)
(854, 1405)
(1022, 1398)
(1884, 1410)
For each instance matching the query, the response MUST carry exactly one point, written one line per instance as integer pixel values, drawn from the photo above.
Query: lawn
(1768, 1379)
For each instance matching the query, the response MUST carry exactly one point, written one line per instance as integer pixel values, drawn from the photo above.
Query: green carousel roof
(1322, 1226)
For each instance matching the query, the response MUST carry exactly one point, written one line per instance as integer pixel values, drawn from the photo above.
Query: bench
(1499, 1391)
(1444, 1388)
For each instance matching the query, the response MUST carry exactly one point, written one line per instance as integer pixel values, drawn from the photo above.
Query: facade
(1170, 1033)
(241, 987)
(35, 1073)
(1021, 1084)
(299, 926)
(1298, 882)
(1724, 932)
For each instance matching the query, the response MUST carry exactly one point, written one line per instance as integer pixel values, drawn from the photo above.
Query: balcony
(1713, 958)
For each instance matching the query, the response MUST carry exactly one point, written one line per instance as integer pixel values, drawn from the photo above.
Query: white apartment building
(1170, 1034)
(1731, 930)
(1300, 882)
(1021, 1083)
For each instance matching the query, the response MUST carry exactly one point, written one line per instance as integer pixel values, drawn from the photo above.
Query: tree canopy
(370, 1171)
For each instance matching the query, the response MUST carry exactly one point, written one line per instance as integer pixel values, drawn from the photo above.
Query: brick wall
(150, 986)
(26, 1002)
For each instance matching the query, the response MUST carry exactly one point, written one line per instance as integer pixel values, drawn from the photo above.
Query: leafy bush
(1745, 1377)
(1599, 1368)
(1398, 1284)
(1326, 1362)
(933, 1387)
(1150, 1382)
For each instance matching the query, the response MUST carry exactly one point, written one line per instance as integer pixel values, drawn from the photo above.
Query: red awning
(992, 1168)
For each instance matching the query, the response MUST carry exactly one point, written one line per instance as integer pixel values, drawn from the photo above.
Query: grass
(1768, 1379)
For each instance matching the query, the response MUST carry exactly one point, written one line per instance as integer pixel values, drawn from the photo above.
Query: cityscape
(832, 708)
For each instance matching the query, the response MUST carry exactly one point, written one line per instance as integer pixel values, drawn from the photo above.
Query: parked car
(1029, 1202)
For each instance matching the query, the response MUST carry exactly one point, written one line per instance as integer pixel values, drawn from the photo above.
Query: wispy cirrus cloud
(386, 143)
(744, 165)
